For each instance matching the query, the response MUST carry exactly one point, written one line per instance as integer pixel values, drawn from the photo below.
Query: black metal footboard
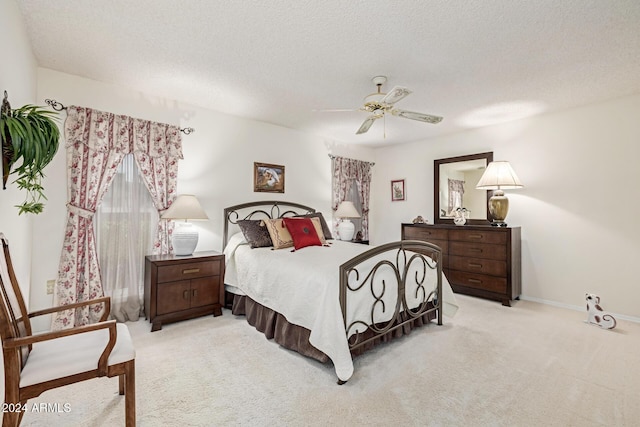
(404, 284)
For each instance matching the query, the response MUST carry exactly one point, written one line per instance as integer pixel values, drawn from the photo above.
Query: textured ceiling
(474, 62)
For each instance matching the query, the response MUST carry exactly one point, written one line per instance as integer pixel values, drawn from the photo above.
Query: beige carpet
(528, 365)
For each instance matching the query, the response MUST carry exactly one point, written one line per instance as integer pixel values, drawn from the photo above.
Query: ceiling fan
(379, 104)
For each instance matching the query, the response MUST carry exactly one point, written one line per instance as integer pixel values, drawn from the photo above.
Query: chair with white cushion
(34, 364)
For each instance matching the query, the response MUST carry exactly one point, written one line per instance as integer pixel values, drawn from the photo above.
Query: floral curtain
(456, 192)
(345, 172)
(96, 143)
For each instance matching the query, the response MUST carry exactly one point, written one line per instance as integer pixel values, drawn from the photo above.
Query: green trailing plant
(29, 142)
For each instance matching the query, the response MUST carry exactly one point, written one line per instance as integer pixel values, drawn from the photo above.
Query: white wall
(217, 165)
(18, 78)
(578, 208)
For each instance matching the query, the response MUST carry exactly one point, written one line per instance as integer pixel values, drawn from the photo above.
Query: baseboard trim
(576, 308)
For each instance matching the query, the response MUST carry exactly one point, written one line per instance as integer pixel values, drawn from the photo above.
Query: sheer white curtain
(125, 223)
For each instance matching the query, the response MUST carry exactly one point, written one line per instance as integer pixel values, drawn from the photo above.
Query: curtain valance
(103, 132)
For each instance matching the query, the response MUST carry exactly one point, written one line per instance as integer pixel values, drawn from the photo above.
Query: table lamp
(185, 237)
(346, 228)
(499, 176)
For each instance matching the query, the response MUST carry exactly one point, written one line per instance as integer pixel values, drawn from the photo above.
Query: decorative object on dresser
(268, 178)
(499, 176)
(345, 211)
(455, 179)
(397, 190)
(183, 287)
(185, 237)
(419, 220)
(481, 261)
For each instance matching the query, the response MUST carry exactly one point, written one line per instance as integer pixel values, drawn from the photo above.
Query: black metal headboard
(260, 210)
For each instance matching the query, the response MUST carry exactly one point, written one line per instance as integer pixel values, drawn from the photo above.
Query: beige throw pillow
(280, 236)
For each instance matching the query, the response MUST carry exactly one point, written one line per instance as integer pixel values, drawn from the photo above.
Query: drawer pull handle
(475, 236)
(475, 250)
(475, 281)
(194, 292)
(474, 265)
(190, 270)
(185, 295)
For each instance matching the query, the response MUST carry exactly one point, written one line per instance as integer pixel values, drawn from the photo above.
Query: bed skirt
(293, 337)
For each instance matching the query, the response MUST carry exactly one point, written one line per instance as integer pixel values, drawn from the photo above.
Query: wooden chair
(34, 364)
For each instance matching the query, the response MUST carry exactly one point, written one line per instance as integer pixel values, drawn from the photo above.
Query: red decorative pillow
(303, 232)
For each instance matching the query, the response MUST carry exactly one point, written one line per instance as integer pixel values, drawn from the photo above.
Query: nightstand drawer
(478, 281)
(478, 265)
(478, 250)
(170, 273)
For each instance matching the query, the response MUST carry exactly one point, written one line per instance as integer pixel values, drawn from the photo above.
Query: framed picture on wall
(268, 178)
(397, 190)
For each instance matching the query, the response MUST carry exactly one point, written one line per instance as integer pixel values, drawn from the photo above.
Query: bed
(331, 301)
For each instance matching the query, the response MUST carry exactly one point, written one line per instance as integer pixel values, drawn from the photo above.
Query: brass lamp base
(498, 208)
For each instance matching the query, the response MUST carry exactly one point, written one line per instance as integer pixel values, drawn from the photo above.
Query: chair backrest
(14, 320)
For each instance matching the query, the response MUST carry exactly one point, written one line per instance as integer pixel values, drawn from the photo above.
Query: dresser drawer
(478, 265)
(479, 236)
(478, 250)
(424, 233)
(170, 273)
(478, 281)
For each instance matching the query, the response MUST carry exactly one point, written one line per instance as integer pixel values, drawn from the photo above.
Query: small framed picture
(397, 190)
(268, 178)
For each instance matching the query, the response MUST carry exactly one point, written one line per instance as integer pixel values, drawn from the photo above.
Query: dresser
(182, 287)
(478, 260)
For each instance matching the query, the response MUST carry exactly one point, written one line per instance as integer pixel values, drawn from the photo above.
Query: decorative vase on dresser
(478, 260)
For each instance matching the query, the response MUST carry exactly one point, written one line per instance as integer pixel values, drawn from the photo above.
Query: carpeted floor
(528, 365)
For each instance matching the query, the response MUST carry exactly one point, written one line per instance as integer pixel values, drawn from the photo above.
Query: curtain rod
(59, 107)
(331, 156)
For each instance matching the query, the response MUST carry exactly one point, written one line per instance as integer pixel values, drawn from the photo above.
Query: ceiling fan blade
(336, 110)
(395, 95)
(367, 124)
(421, 117)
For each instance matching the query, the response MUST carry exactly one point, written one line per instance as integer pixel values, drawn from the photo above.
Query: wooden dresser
(478, 260)
(182, 287)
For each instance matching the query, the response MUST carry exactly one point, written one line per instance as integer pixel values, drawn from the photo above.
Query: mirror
(455, 180)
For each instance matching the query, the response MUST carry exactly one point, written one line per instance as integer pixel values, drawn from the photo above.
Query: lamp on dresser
(345, 211)
(499, 176)
(185, 237)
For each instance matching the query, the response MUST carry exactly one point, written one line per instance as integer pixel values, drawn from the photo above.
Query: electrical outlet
(50, 285)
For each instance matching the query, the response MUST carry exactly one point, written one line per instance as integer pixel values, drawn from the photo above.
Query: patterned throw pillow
(303, 232)
(318, 226)
(255, 233)
(279, 234)
(326, 231)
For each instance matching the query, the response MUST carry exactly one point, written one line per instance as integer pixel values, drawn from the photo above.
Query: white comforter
(285, 282)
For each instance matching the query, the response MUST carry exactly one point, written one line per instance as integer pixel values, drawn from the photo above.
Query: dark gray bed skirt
(275, 326)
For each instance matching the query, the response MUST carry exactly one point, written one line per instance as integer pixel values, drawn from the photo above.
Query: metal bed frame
(409, 260)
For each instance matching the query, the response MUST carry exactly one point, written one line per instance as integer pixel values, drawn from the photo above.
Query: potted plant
(29, 139)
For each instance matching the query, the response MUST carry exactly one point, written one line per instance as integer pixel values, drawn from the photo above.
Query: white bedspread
(304, 287)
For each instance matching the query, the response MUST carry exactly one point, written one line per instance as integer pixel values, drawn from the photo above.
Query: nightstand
(182, 287)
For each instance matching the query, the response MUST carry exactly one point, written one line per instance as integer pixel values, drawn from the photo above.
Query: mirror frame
(488, 156)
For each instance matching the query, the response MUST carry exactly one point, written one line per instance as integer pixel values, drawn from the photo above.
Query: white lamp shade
(499, 175)
(186, 207)
(346, 209)
(185, 236)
